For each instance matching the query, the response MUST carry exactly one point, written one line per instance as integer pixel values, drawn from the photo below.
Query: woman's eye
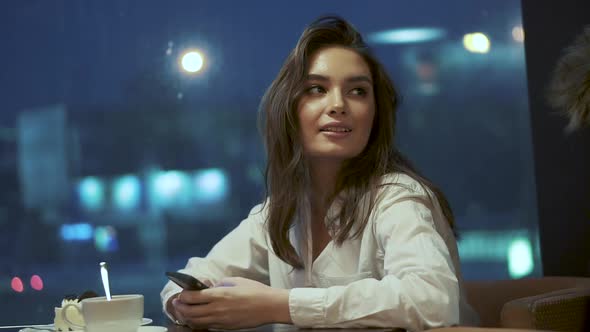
(316, 89)
(359, 91)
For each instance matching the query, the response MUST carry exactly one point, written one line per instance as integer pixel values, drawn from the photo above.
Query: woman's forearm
(278, 306)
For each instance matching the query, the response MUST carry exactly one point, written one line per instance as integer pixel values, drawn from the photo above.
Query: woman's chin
(333, 154)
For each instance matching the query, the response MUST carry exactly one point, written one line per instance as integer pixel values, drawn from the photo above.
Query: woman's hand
(233, 304)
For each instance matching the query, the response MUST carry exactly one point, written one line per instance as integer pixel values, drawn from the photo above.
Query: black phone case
(186, 281)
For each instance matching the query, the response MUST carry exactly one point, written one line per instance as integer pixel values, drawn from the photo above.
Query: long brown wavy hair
(286, 172)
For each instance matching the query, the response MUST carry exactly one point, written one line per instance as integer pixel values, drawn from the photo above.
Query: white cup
(123, 313)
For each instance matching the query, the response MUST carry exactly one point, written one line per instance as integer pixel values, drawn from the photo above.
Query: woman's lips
(336, 133)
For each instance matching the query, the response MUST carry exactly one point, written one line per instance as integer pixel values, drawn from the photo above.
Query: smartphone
(186, 281)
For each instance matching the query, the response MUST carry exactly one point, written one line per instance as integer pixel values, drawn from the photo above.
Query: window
(115, 149)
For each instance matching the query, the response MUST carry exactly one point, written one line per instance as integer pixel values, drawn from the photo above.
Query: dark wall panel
(562, 161)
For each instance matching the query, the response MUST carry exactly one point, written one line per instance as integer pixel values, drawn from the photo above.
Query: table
(289, 328)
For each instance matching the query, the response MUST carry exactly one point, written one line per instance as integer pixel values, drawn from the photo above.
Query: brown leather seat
(551, 303)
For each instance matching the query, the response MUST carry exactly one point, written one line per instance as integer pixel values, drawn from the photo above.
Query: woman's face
(337, 107)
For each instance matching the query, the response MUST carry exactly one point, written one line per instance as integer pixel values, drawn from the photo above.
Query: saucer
(152, 328)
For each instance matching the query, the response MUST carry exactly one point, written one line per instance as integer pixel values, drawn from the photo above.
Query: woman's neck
(324, 175)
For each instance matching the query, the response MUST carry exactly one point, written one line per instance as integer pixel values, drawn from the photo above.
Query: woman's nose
(337, 104)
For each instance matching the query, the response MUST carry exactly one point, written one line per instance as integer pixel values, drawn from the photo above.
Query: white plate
(51, 327)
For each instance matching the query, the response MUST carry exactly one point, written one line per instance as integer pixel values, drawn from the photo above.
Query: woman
(350, 235)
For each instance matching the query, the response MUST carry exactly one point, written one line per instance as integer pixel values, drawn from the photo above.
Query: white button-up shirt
(402, 271)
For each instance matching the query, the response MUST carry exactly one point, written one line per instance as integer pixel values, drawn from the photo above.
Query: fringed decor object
(569, 89)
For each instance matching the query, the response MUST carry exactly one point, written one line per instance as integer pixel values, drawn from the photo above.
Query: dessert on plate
(73, 314)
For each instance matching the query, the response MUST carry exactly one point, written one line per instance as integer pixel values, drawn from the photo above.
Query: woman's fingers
(178, 315)
(191, 310)
(201, 316)
(194, 304)
(195, 297)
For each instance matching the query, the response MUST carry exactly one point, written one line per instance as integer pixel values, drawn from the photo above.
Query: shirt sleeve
(241, 253)
(419, 289)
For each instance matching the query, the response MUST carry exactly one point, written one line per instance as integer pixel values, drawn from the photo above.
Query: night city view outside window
(128, 132)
